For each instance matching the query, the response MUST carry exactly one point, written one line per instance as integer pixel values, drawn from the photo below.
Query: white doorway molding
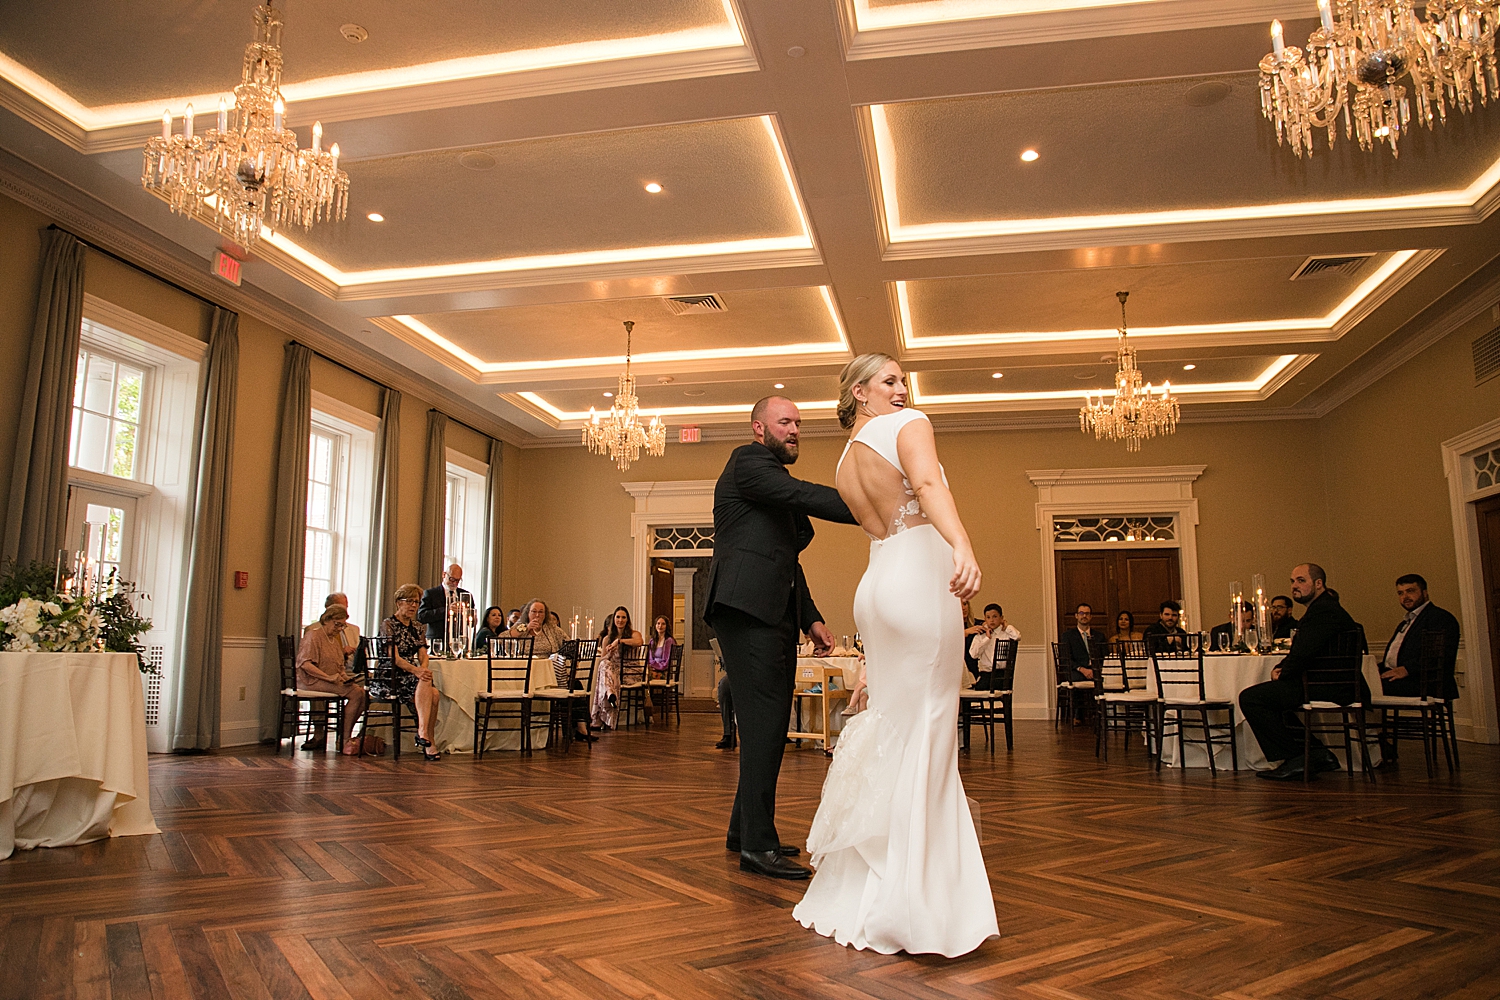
(1474, 714)
(1164, 489)
(683, 503)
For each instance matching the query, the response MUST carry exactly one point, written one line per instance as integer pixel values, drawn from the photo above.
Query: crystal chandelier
(248, 172)
(1135, 413)
(1352, 62)
(620, 433)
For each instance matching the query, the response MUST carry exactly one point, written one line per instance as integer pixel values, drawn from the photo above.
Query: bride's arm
(917, 449)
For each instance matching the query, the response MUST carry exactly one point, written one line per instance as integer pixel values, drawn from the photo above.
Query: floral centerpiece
(37, 616)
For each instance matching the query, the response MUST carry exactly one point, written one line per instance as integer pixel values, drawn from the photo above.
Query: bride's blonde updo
(857, 372)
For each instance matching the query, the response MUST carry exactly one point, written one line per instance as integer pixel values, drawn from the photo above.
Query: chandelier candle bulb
(187, 123)
(223, 116)
(317, 138)
(1325, 14)
(278, 109)
(166, 126)
(1278, 44)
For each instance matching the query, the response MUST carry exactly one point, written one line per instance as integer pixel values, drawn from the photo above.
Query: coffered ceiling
(840, 175)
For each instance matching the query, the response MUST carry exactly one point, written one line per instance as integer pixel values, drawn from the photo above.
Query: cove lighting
(1255, 385)
(668, 412)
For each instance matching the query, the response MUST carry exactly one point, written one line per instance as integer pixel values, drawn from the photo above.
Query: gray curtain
(434, 501)
(494, 509)
(36, 521)
(383, 580)
(195, 716)
(288, 544)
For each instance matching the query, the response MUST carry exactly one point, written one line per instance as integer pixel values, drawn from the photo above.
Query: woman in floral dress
(411, 681)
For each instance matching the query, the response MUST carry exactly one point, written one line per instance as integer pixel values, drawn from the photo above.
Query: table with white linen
(458, 681)
(72, 750)
(1224, 677)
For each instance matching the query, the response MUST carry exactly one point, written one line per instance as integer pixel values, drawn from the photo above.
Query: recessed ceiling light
(477, 159)
(1188, 368)
(353, 33)
(998, 375)
(695, 392)
(1030, 155)
(375, 217)
(609, 395)
(796, 52)
(654, 188)
(779, 385)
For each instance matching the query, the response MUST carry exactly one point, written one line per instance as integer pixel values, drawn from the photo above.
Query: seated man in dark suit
(1398, 667)
(1283, 622)
(1222, 636)
(1078, 647)
(433, 611)
(1268, 707)
(1165, 633)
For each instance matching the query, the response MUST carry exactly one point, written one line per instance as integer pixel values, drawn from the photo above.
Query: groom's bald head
(775, 421)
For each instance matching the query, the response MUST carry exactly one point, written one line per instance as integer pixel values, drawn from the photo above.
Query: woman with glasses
(411, 681)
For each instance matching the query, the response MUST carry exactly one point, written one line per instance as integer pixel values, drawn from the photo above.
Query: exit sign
(689, 434)
(227, 267)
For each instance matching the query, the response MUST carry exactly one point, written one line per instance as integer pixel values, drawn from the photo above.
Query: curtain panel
(36, 516)
(383, 582)
(494, 511)
(434, 502)
(289, 542)
(195, 715)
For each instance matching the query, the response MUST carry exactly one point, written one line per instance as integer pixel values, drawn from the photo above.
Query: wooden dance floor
(602, 874)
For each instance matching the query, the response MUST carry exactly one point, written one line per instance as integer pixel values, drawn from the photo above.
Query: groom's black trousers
(761, 662)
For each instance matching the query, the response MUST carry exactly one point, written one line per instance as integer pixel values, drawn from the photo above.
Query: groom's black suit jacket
(761, 523)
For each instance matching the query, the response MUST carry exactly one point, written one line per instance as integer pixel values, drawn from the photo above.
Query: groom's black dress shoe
(1289, 770)
(787, 850)
(772, 865)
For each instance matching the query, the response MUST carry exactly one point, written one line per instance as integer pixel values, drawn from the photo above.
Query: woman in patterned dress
(411, 681)
(617, 635)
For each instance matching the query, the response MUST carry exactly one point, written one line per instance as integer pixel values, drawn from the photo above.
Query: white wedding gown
(895, 848)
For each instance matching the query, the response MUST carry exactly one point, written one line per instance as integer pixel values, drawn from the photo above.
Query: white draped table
(1224, 677)
(72, 750)
(458, 681)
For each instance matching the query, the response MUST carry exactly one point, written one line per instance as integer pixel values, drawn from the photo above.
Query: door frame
(1166, 489)
(680, 503)
(1478, 675)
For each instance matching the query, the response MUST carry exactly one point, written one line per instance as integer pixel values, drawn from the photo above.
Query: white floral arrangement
(60, 625)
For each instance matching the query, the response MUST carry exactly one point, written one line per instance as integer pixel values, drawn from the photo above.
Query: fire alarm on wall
(241, 579)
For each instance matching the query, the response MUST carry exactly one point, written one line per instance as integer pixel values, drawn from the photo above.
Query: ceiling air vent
(1319, 267)
(1487, 356)
(682, 305)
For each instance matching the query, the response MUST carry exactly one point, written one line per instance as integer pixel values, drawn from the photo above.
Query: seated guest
(553, 617)
(350, 633)
(321, 666)
(972, 627)
(1079, 646)
(659, 648)
(982, 646)
(550, 638)
(434, 610)
(511, 617)
(1398, 667)
(1222, 636)
(1283, 622)
(618, 636)
(1268, 707)
(411, 680)
(1165, 633)
(491, 626)
(1125, 630)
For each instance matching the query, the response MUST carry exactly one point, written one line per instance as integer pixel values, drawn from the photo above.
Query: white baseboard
(239, 734)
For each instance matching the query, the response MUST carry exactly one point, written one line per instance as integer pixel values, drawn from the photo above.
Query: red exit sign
(227, 267)
(689, 434)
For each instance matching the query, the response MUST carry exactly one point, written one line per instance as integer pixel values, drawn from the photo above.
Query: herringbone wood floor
(602, 874)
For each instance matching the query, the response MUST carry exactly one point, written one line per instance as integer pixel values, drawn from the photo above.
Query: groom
(758, 603)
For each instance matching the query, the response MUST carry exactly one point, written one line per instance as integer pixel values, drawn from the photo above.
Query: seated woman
(491, 626)
(616, 637)
(411, 683)
(658, 654)
(321, 667)
(1125, 630)
(536, 621)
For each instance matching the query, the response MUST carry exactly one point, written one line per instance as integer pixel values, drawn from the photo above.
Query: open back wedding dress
(894, 845)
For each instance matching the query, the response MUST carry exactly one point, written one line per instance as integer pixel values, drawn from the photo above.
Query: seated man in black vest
(1269, 707)
(1165, 633)
(1398, 667)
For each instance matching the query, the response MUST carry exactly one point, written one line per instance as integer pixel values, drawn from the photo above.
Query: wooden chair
(1122, 703)
(1068, 690)
(380, 654)
(508, 663)
(632, 685)
(814, 683)
(305, 711)
(668, 689)
(981, 703)
(563, 703)
(1180, 693)
(1334, 683)
(1427, 716)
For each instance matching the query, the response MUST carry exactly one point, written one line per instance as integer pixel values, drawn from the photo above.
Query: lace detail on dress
(912, 508)
(856, 804)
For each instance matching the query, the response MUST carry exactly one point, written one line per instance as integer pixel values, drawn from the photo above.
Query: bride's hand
(966, 574)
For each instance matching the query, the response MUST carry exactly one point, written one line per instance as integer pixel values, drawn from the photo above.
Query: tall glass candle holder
(1236, 629)
(1262, 611)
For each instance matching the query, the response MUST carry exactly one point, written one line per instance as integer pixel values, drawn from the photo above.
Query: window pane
(318, 497)
(124, 457)
(320, 555)
(73, 437)
(99, 387)
(128, 396)
(321, 470)
(80, 377)
(93, 443)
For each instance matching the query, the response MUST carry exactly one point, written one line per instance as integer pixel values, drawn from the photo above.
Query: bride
(896, 853)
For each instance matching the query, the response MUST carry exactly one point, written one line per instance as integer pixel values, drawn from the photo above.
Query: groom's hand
(822, 639)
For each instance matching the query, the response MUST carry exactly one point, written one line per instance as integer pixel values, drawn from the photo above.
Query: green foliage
(119, 625)
(34, 579)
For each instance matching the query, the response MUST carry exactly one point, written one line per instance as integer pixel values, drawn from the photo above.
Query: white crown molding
(1101, 477)
(1039, 27)
(628, 72)
(88, 217)
(670, 488)
(131, 324)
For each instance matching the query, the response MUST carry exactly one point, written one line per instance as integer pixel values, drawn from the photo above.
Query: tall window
(325, 489)
(340, 497)
(464, 538)
(107, 407)
(453, 520)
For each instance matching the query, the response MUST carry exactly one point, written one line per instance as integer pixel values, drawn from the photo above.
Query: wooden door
(1487, 513)
(1114, 580)
(662, 579)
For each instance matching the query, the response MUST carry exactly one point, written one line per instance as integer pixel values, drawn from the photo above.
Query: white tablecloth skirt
(72, 750)
(1224, 677)
(458, 681)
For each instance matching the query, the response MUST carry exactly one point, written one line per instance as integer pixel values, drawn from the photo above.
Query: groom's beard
(785, 451)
